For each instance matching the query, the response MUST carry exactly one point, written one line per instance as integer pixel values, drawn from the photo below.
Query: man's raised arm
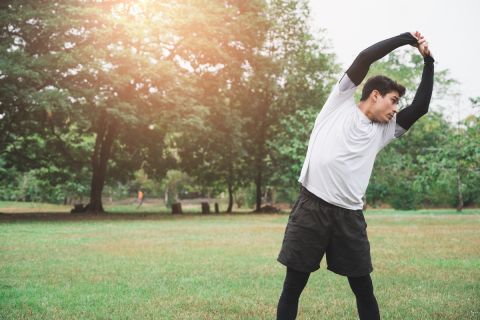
(407, 117)
(359, 68)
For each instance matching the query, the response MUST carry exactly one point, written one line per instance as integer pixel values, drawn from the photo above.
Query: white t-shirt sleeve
(399, 131)
(343, 90)
(345, 83)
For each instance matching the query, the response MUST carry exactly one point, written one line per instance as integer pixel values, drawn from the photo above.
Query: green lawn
(20, 207)
(427, 266)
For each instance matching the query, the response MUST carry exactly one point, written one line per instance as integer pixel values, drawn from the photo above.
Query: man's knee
(295, 282)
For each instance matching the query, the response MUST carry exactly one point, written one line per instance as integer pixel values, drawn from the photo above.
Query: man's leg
(366, 303)
(293, 286)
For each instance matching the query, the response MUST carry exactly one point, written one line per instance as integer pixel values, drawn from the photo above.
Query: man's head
(380, 97)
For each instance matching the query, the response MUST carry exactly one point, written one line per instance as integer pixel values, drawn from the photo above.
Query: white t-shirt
(342, 149)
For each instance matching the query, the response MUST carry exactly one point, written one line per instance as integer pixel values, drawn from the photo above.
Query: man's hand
(422, 44)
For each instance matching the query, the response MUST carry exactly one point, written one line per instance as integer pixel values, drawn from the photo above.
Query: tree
(212, 148)
(211, 142)
(38, 135)
(112, 69)
(455, 164)
(289, 72)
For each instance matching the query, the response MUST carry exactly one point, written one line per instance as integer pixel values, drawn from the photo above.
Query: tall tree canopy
(105, 78)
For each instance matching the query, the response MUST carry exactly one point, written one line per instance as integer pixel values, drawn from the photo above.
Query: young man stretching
(327, 218)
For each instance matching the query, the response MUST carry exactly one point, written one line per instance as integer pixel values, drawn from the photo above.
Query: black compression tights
(366, 303)
(293, 286)
(295, 282)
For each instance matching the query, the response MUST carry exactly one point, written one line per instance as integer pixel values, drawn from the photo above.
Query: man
(140, 197)
(327, 218)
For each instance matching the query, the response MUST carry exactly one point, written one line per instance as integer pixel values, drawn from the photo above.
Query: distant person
(327, 218)
(140, 197)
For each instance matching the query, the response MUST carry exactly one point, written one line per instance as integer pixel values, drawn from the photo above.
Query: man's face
(384, 108)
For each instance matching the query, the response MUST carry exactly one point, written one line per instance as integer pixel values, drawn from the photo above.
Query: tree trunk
(205, 207)
(230, 185)
(103, 144)
(230, 197)
(459, 193)
(259, 173)
(177, 208)
(260, 154)
(258, 184)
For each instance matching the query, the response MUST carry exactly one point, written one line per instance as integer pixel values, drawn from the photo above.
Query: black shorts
(316, 227)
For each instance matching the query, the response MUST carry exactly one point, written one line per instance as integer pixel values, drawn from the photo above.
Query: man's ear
(374, 95)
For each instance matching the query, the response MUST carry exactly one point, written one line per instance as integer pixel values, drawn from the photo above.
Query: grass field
(427, 266)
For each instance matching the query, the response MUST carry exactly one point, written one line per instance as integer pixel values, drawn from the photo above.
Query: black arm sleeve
(407, 117)
(359, 68)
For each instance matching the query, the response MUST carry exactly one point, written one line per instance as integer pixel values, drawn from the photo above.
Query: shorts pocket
(303, 213)
(360, 216)
(356, 222)
(295, 206)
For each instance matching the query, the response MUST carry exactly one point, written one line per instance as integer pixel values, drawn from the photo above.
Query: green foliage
(117, 71)
(205, 96)
(50, 184)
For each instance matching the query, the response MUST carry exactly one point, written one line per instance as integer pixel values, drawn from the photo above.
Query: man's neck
(365, 108)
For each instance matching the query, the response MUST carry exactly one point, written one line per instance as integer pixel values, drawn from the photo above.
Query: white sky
(451, 27)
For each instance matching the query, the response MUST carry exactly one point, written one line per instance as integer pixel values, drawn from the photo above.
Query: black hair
(383, 84)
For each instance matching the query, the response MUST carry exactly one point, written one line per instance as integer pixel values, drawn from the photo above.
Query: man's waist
(346, 205)
(312, 196)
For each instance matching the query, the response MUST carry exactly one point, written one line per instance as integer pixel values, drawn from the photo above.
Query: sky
(451, 28)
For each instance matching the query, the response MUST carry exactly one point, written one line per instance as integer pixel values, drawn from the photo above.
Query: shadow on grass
(108, 216)
(164, 215)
